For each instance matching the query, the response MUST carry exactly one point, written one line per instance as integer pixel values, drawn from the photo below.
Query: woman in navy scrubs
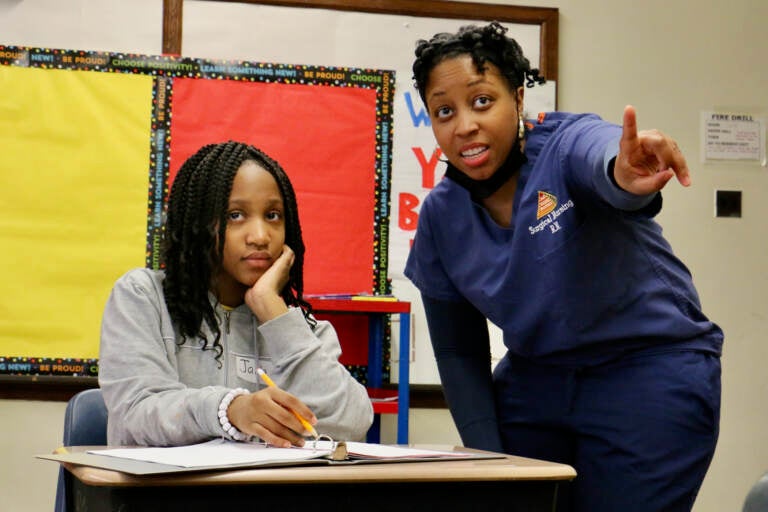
(546, 228)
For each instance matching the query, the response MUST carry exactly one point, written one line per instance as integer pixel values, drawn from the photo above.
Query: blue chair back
(85, 424)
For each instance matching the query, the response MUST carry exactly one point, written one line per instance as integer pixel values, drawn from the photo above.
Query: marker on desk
(269, 382)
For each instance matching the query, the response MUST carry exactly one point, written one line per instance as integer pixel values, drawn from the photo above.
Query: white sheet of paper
(383, 451)
(218, 452)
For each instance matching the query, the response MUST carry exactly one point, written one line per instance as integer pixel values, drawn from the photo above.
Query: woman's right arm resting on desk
(459, 335)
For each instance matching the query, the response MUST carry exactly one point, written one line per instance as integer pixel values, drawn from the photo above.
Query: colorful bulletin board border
(164, 70)
(49, 366)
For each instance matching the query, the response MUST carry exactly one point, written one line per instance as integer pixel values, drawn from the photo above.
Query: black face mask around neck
(482, 189)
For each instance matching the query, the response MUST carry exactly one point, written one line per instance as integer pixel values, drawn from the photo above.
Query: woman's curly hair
(195, 232)
(483, 44)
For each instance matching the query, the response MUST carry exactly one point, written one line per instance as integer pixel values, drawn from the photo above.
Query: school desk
(504, 484)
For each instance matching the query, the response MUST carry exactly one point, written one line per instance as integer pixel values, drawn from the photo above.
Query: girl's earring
(520, 127)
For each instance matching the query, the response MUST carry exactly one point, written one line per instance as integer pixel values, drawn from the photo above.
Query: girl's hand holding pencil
(274, 415)
(309, 429)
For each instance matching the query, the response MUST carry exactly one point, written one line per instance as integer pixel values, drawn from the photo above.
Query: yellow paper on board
(74, 170)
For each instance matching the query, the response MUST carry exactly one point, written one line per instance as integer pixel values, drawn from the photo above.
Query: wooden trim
(48, 388)
(172, 25)
(427, 396)
(56, 388)
(545, 17)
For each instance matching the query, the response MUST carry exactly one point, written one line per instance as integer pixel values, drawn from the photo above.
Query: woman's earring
(520, 127)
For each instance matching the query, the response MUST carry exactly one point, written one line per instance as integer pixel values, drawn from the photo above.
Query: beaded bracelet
(230, 429)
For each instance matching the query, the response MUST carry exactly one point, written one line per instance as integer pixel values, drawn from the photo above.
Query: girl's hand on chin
(264, 297)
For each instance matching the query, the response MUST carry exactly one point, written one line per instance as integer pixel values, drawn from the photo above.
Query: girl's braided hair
(195, 232)
(483, 44)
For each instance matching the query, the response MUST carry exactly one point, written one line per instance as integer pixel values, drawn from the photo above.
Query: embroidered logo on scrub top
(547, 203)
(547, 211)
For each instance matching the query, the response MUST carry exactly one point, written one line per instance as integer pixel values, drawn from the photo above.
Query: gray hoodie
(159, 393)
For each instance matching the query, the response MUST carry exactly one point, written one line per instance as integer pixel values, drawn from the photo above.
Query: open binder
(221, 454)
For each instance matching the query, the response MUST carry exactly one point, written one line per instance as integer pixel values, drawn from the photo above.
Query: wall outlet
(727, 203)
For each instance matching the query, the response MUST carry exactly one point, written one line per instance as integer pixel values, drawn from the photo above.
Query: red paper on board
(325, 139)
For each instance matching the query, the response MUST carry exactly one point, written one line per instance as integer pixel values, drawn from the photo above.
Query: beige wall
(672, 59)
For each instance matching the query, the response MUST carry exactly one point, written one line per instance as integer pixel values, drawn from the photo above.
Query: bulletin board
(337, 34)
(95, 141)
(379, 35)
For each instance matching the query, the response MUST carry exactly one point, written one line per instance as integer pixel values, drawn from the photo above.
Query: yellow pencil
(307, 425)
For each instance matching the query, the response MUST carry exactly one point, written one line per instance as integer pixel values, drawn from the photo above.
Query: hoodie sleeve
(306, 364)
(150, 404)
(147, 403)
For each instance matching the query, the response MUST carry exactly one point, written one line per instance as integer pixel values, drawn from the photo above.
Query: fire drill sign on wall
(733, 136)
(95, 141)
